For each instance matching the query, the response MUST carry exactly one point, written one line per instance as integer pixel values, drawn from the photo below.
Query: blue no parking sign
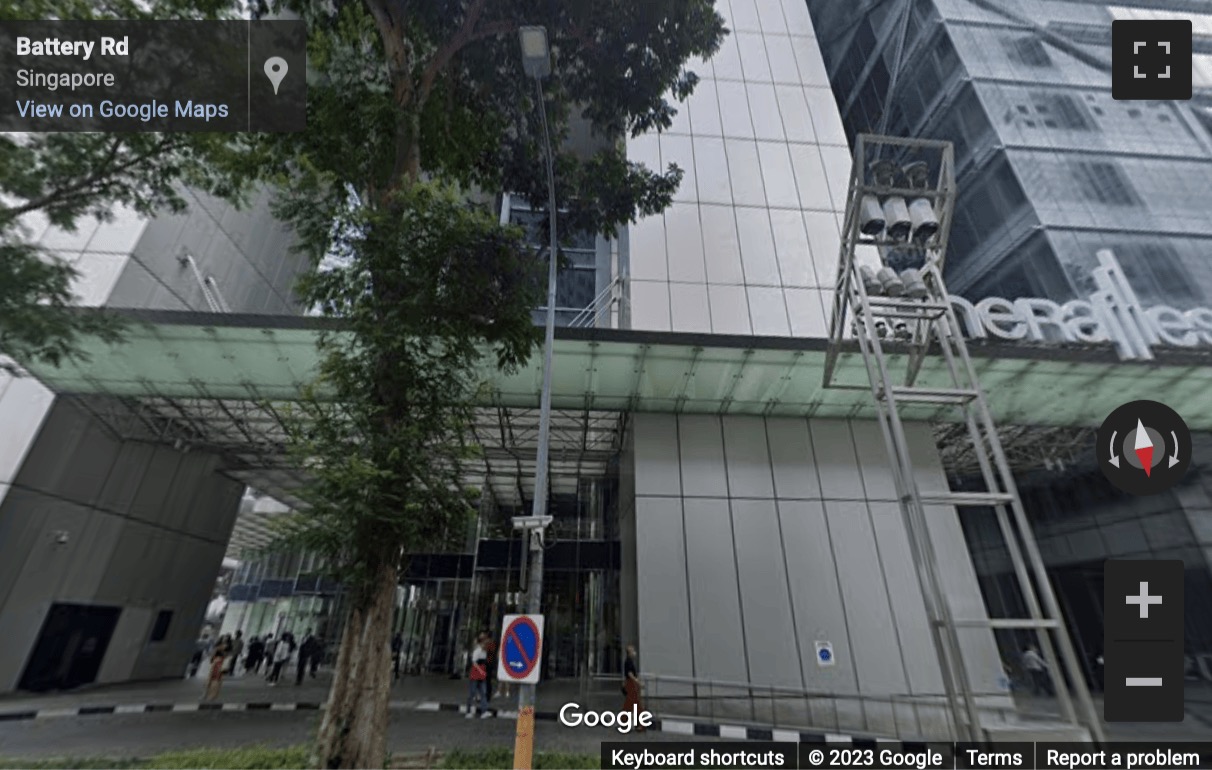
(521, 649)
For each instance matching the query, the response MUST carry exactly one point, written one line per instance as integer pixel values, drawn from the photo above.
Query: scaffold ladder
(926, 328)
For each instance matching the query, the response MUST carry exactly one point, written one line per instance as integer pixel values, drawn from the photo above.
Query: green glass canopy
(177, 355)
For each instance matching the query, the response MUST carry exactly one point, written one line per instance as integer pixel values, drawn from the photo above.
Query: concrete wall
(756, 538)
(145, 530)
(246, 252)
(146, 527)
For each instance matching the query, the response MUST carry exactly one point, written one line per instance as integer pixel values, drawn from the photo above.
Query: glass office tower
(1051, 170)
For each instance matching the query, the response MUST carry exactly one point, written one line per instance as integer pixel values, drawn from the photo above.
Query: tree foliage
(383, 431)
(413, 108)
(409, 103)
(63, 177)
(437, 89)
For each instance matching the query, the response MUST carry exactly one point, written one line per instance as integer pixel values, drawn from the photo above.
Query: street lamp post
(536, 61)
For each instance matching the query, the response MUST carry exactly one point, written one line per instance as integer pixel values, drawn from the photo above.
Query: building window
(160, 630)
(1028, 50)
(1104, 182)
(1156, 271)
(576, 283)
(1057, 111)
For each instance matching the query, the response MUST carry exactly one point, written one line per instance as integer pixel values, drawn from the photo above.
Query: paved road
(141, 735)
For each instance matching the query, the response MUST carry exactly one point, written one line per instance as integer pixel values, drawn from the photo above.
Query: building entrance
(71, 647)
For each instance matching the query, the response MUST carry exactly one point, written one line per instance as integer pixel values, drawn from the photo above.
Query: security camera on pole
(536, 61)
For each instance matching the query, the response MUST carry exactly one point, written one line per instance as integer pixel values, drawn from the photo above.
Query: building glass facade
(1050, 170)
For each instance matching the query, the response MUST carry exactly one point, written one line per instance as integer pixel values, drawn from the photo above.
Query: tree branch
(75, 189)
(466, 35)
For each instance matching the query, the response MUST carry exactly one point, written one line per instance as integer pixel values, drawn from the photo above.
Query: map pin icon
(275, 70)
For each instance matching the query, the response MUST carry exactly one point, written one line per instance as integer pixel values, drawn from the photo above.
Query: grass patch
(82, 763)
(251, 758)
(502, 759)
(265, 758)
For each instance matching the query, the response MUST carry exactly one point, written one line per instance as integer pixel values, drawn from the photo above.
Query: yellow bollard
(523, 746)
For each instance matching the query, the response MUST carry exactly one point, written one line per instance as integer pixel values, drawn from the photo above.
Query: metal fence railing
(900, 716)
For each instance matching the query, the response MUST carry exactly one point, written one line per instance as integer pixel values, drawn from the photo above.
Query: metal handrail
(814, 700)
(724, 684)
(589, 314)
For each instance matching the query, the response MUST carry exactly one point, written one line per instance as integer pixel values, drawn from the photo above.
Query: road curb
(153, 708)
(673, 726)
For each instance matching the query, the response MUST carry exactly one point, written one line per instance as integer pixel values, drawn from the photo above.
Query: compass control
(1144, 447)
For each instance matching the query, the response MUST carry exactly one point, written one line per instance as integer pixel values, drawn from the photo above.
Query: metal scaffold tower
(891, 303)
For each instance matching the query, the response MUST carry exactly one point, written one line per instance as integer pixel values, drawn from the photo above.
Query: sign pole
(523, 752)
(519, 659)
(523, 747)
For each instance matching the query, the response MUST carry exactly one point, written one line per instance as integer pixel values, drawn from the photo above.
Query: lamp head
(536, 54)
(883, 171)
(917, 174)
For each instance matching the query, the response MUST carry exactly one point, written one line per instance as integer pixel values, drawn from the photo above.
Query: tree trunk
(353, 732)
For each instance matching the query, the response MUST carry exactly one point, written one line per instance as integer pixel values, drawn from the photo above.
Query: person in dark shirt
(306, 650)
(631, 683)
(317, 654)
(397, 648)
(256, 652)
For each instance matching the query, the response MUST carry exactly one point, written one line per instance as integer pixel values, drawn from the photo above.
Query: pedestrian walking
(283, 653)
(271, 651)
(201, 648)
(306, 650)
(477, 681)
(397, 648)
(237, 647)
(1037, 669)
(214, 681)
(631, 683)
(256, 651)
(490, 663)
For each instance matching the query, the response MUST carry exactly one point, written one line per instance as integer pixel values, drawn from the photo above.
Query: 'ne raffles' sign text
(1111, 314)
